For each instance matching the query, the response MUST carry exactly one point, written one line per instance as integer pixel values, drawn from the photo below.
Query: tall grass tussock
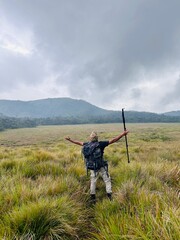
(45, 190)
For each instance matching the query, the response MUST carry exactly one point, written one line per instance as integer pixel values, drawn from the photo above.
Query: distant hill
(52, 107)
(58, 111)
(173, 114)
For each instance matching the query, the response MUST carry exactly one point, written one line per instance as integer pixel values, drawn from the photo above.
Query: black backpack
(93, 156)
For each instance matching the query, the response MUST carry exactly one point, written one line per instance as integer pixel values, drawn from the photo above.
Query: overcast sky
(111, 53)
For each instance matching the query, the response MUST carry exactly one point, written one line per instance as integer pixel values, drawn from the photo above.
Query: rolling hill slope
(52, 107)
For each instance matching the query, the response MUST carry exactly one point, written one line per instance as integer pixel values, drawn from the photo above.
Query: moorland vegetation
(45, 191)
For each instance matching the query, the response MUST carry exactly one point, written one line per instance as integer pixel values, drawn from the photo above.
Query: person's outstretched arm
(75, 142)
(118, 137)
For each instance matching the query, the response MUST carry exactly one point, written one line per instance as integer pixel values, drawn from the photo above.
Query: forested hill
(58, 111)
(173, 113)
(66, 107)
(49, 108)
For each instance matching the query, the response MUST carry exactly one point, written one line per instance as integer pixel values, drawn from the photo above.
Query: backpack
(93, 156)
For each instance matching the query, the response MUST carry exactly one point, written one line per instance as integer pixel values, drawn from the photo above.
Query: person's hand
(126, 132)
(68, 138)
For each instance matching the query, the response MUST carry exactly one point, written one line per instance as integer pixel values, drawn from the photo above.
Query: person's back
(93, 155)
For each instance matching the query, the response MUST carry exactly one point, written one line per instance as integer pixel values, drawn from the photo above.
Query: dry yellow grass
(39, 169)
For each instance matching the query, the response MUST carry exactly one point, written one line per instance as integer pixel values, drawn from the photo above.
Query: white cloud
(16, 48)
(15, 40)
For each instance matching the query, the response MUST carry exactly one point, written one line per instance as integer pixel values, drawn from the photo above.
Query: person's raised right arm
(73, 141)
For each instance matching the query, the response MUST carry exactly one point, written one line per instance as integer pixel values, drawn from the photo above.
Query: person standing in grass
(93, 138)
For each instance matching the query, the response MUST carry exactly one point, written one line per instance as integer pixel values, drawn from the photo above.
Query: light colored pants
(106, 179)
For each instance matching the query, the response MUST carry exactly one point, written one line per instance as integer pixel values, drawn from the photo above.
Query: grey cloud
(16, 70)
(99, 47)
(136, 93)
(173, 96)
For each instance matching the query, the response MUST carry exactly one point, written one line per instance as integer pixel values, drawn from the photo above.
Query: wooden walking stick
(124, 123)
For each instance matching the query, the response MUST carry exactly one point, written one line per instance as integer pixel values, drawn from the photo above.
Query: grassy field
(45, 191)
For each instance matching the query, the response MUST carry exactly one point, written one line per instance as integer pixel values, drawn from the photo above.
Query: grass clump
(45, 219)
(136, 214)
(8, 164)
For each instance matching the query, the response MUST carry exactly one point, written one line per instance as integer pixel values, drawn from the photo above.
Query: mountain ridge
(172, 113)
(75, 108)
(49, 107)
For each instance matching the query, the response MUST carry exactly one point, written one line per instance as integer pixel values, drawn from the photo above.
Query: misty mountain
(173, 113)
(52, 107)
(72, 111)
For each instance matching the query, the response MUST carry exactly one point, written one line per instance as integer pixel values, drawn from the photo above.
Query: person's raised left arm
(118, 137)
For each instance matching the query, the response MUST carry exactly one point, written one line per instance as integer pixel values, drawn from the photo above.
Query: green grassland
(45, 191)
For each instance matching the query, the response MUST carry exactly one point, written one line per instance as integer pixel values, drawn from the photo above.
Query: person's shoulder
(103, 143)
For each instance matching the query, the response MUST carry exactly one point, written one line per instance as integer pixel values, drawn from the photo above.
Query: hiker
(93, 138)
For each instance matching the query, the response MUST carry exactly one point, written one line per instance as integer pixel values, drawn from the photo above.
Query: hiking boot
(93, 199)
(109, 195)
